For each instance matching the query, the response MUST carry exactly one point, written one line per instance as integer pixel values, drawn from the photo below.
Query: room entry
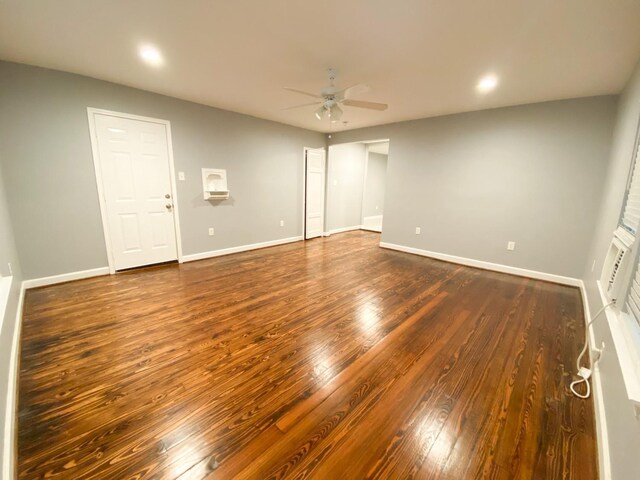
(134, 172)
(356, 184)
(314, 192)
(374, 185)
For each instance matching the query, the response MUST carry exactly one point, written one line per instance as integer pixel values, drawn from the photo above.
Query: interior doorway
(374, 188)
(355, 186)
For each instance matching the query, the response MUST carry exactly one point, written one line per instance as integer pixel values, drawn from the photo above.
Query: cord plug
(584, 373)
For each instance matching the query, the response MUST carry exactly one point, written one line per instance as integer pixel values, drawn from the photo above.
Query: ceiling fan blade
(363, 104)
(303, 93)
(356, 89)
(303, 105)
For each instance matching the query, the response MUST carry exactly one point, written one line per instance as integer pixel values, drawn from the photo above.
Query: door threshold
(148, 267)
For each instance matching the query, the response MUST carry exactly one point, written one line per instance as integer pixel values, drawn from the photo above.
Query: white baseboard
(496, 267)
(372, 223)
(8, 454)
(95, 272)
(65, 277)
(242, 248)
(604, 456)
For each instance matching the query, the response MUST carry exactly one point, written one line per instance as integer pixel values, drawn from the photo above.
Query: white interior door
(314, 214)
(133, 162)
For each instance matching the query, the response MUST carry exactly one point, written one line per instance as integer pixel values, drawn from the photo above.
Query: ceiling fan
(330, 99)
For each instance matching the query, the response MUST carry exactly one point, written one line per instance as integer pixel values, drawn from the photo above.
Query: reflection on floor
(331, 358)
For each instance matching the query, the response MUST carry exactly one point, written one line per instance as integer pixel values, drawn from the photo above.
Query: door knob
(167, 195)
(168, 205)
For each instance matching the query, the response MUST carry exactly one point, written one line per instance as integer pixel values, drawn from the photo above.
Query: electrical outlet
(211, 232)
(181, 176)
(511, 246)
(282, 223)
(418, 231)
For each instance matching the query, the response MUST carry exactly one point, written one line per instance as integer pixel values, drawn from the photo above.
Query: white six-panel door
(314, 215)
(134, 169)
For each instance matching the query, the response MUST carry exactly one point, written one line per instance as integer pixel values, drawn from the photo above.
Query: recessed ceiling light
(487, 83)
(151, 55)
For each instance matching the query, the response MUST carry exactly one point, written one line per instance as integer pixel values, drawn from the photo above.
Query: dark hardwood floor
(328, 359)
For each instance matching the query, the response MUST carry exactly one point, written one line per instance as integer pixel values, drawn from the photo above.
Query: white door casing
(134, 172)
(315, 193)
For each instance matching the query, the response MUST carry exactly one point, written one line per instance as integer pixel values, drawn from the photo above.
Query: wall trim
(96, 272)
(242, 248)
(65, 277)
(9, 434)
(604, 455)
(496, 267)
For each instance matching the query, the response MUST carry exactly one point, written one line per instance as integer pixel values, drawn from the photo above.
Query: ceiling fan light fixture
(331, 99)
(335, 113)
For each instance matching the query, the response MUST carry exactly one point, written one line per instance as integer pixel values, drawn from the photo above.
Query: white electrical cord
(583, 372)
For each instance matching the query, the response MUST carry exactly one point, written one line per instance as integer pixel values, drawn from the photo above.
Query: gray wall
(375, 178)
(531, 174)
(345, 179)
(623, 427)
(8, 254)
(45, 152)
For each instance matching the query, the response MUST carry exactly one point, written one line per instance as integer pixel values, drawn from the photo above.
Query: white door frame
(304, 190)
(91, 112)
(364, 182)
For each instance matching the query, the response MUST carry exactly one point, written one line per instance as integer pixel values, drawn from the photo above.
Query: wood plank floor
(327, 359)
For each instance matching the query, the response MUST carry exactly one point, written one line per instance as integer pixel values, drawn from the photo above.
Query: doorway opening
(374, 185)
(356, 184)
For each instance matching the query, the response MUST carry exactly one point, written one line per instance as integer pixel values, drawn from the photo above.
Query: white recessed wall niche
(214, 184)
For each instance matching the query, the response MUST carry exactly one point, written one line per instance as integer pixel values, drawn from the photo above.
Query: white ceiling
(422, 57)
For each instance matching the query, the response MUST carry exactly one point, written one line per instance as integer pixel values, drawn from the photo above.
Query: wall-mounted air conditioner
(616, 263)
